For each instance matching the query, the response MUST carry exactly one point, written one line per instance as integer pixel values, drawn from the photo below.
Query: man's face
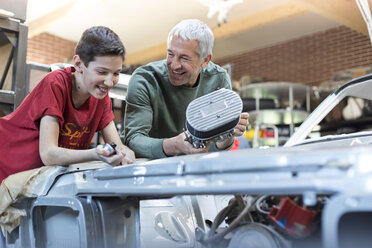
(183, 61)
(101, 75)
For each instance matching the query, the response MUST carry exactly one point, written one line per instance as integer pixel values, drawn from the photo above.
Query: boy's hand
(105, 156)
(128, 155)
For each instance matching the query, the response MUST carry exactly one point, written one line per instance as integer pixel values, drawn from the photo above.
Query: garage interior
(284, 57)
(318, 44)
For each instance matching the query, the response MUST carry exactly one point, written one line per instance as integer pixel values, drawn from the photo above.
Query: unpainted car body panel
(172, 199)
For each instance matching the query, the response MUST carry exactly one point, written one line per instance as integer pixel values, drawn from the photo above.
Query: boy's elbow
(46, 157)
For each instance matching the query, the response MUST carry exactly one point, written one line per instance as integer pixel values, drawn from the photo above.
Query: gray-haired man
(159, 93)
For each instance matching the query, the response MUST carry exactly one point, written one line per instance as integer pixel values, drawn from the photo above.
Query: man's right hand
(178, 145)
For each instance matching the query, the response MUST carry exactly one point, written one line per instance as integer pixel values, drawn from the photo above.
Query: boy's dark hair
(99, 41)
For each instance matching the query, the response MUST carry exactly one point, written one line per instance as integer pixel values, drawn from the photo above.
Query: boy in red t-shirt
(57, 120)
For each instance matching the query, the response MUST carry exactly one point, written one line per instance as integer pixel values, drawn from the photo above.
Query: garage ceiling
(143, 25)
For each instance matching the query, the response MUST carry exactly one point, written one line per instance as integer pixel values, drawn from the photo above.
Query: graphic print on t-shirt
(73, 136)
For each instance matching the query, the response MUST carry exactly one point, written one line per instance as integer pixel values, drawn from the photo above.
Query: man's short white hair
(193, 29)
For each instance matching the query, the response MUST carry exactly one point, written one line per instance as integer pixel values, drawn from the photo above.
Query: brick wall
(49, 49)
(310, 59)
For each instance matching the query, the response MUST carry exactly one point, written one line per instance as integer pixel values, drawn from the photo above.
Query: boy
(56, 122)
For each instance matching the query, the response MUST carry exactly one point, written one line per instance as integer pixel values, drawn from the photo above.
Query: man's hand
(179, 145)
(238, 131)
(242, 125)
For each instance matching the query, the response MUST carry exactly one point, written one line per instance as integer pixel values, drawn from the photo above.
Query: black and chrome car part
(213, 117)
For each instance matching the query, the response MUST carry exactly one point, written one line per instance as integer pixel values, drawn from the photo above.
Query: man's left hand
(238, 131)
(242, 125)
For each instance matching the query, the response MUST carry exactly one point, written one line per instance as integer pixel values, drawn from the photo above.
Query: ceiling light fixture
(222, 7)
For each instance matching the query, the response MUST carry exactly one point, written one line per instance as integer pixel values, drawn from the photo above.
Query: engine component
(212, 116)
(255, 235)
(169, 227)
(295, 220)
(242, 230)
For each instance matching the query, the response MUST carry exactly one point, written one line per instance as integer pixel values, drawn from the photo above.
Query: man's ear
(78, 63)
(206, 60)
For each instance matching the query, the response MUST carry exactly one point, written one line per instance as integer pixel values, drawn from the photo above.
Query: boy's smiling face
(99, 76)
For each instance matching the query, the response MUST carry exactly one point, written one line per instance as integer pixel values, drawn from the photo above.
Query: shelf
(278, 116)
(267, 141)
(13, 33)
(278, 106)
(278, 91)
(359, 124)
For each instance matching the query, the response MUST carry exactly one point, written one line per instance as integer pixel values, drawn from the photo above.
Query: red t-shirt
(19, 131)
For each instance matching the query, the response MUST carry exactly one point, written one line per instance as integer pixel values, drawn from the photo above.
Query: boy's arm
(51, 154)
(110, 134)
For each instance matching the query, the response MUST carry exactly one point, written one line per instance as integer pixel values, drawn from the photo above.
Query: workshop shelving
(275, 108)
(13, 32)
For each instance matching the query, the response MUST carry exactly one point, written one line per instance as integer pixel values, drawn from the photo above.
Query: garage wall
(309, 59)
(49, 49)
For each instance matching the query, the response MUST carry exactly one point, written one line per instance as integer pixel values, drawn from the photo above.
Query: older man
(159, 93)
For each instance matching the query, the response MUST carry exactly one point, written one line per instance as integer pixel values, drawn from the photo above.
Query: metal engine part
(212, 117)
(255, 235)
